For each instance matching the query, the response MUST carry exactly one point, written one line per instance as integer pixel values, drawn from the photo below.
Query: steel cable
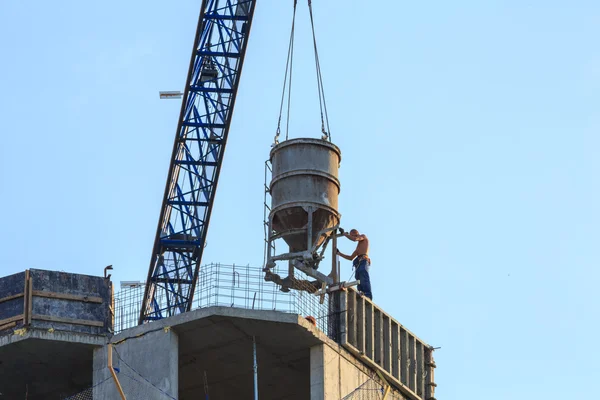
(288, 67)
(322, 103)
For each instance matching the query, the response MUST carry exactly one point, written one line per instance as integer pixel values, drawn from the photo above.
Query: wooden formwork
(46, 299)
(386, 345)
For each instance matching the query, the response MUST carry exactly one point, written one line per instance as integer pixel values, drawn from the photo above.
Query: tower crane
(205, 117)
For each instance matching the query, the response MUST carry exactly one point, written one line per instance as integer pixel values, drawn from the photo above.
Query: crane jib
(202, 130)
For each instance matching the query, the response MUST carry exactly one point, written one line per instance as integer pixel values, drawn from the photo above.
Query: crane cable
(322, 104)
(320, 88)
(288, 67)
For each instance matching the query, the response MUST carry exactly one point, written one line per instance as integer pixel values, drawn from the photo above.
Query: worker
(360, 260)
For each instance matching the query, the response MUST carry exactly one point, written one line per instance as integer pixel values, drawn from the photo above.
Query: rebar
(239, 287)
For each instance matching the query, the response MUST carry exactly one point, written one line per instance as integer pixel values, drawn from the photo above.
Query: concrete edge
(56, 335)
(219, 311)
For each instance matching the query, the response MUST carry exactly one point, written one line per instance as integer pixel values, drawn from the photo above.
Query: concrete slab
(46, 365)
(295, 359)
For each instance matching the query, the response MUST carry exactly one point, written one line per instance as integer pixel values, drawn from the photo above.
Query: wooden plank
(395, 350)
(378, 355)
(26, 297)
(29, 300)
(9, 325)
(412, 372)
(360, 324)
(68, 320)
(11, 319)
(351, 317)
(403, 356)
(420, 370)
(65, 296)
(343, 324)
(368, 329)
(9, 298)
(387, 346)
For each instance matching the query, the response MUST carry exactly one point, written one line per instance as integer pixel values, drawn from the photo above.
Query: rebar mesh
(88, 393)
(241, 287)
(370, 390)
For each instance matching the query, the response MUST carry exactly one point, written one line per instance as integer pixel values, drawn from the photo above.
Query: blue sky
(470, 137)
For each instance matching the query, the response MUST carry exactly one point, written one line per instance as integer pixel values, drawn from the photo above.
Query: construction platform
(209, 352)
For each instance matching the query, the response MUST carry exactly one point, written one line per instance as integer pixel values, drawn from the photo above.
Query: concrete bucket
(304, 182)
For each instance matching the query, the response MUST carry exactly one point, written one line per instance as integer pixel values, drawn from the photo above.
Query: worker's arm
(350, 258)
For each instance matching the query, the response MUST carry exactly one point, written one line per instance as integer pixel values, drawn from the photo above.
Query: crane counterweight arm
(206, 111)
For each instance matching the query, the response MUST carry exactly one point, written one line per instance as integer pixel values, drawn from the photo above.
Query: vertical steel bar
(334, 259)
(309, 229)
(255, 368)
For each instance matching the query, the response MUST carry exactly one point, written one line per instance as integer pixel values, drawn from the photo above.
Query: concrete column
(317, 373)
(152, 366)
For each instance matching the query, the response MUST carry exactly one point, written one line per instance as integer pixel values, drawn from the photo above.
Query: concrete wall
(335, 373)
(148, 366)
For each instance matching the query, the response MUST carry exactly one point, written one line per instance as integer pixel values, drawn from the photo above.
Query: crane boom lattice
(205, 117)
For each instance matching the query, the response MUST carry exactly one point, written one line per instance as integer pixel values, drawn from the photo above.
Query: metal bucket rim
(318, 142)
(305, 203)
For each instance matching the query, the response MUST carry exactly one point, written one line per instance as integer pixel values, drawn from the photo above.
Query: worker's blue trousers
(362, 274)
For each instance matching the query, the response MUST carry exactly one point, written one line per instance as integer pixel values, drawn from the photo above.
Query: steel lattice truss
(213, 77)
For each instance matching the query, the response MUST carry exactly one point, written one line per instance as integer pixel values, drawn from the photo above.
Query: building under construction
(67, 336)
(289, 329)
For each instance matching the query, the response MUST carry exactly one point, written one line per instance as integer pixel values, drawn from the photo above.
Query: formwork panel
(58, 300)
(405, 360)
(12, 304)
